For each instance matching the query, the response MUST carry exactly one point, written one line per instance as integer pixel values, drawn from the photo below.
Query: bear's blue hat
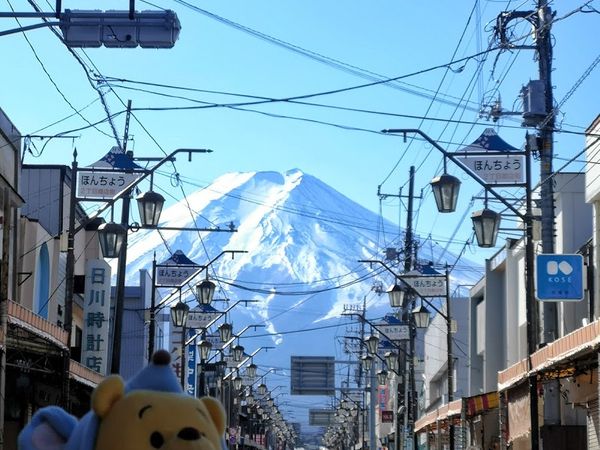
(157, 376)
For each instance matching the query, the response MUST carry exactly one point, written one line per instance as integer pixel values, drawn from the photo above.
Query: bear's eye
(157, 440)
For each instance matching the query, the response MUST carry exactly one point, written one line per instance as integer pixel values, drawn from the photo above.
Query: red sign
(387, 416)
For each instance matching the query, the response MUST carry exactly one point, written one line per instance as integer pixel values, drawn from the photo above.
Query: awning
(481, 403)
(566, 349)
(441, 414)
(84, 375)
(26, 319)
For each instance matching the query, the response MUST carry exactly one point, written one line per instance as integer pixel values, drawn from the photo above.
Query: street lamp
(225, 330)
(396, 294)
(486, 229)
(261, 389)
(179, 314)
(391, 359)
(421, 315)
(251, 371)
(372, 342)
(367, 362)
(205, 290)
(486, 224)
(150, 205)
(237, 383)
(382, 377)
(238, 353)
(204, 347)
(111, 236)
(445, 191)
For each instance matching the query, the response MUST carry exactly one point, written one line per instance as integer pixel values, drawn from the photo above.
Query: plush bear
(149, 412)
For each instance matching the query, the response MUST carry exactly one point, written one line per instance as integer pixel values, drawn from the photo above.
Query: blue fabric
(155, 378)
(60, 423)
(81, 435)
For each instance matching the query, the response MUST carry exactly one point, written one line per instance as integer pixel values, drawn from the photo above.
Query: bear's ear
(49, 429)
(106, 394)
(216, 411)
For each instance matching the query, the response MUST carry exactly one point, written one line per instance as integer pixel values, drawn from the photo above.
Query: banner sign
(175, 350)
(96, 312)
(387, 416)
(190, 385)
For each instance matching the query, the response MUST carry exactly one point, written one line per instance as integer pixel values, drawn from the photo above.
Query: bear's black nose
(157, 440)
(188, 434)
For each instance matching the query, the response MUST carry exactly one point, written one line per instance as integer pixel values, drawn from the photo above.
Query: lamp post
(391, 359)
(113, 237)
(488, 225)
(179, 315)
(204, 291)
(420, 317)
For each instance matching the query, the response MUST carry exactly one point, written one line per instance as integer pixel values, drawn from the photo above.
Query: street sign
(398, 332)
(215, 340)
(559, 277)
(321, 417)
(174, 271)
(103, 185)
(312, 375)
(231, 363)
(173, 276)
(493, 161)
(500, 168)
(201, 316)
(427, 285)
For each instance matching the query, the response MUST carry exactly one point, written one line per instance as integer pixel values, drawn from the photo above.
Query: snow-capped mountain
(303, 241)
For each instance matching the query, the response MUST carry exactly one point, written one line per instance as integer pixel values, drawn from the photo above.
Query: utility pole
(546, 321)
(549, 315)
(70, 276)
(546, 134)
(115, 366)
(410, 400)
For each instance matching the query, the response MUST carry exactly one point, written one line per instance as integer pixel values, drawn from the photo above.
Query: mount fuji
(303, 241)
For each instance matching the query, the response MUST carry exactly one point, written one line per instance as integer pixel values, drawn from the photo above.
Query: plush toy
(149, 412)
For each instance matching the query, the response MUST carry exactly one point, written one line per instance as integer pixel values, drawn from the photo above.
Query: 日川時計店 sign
(499, 168)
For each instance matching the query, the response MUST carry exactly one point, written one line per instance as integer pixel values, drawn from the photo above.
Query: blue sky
(383, 39)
